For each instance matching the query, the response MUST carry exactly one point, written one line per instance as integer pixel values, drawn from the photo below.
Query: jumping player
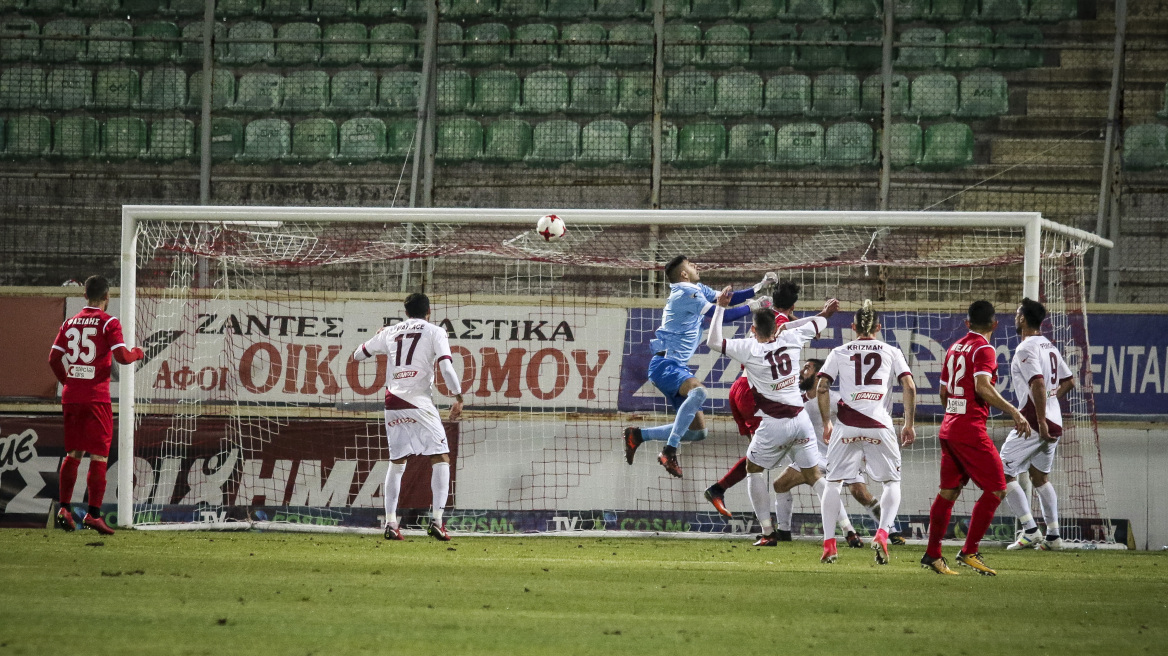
(80, 359)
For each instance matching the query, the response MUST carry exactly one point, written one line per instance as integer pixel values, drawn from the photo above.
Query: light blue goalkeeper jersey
(681, 322)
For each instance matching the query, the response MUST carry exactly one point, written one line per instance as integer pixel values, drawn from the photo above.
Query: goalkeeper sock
(756, 489)
(440, 487)
(656, 433)
(939, 514)
(889, 505)
(829, 508)
(1048, 499)
(68, 479)
(1020, 505)
(392, 490)
(734, 476)
(95, 481)
(685, 415)
(979, 520)
(784, 507)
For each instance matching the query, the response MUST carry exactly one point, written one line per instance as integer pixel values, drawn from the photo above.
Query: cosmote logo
(404, 374)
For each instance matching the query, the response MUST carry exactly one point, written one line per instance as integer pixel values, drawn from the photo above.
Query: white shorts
(853, 450)
(415, 432)
(1019, 454)
(775, 438)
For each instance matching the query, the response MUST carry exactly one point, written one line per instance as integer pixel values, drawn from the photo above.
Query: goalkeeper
(690, 302)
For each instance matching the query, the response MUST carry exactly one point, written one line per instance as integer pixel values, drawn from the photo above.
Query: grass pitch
(250, 593)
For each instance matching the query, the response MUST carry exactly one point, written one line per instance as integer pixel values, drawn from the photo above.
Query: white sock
(872, 513)
(392, 490)
(889, 505)
(829, 506)
(784, 508)
(440, 488)
(845, 522)
(1048, 499)
(756, 489)
(1020, 505)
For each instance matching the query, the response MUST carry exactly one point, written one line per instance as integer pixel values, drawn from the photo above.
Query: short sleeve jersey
(1034, 358)
(780, 319)
(965, 412)
(85, 342)
(812, 408)
(772, 368)
(866, 370)
(681, 322)
(413, 347)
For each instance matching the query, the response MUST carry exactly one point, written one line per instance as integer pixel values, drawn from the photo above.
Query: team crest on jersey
(404, 374)
(867, 396)
(783, 384)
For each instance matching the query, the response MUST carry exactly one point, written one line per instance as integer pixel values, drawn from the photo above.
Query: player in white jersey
(866, 369)
(412, 423)
(1040, 377)
(771, 364)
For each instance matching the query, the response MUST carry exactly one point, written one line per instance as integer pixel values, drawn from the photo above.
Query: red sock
(979, 521)
(939, 515)
(96, 483)
(67, 479)
(735, 476)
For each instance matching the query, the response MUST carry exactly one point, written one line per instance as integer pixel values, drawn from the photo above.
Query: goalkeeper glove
(768, 279)
(760, 303)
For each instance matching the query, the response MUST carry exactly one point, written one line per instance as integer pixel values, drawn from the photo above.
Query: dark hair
(764, 323)
(866, 318)
(981, 314)
(96, 288)
(786, 294)
(672, 266)
(417, 305)
(817, 362)
(1033, 312)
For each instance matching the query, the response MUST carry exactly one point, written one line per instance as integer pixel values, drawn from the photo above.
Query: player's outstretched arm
(823, 398)
(829, 308)
(986, 390)
(714, 338)
(908, 432)
(768, 279)
(1038, 392)
(125, 355)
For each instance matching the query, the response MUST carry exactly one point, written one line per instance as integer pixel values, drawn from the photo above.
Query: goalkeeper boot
(393, 533)
(854, 540)
(98, 524)
(1051, 543)
(974, 562)
(829, 552)
(65, 521)
(938, 565)
(880, 546)
(896, 538)
(668, 460)
(632, 441)
(714, 496)
(1028, 540)
(438, 532)
(767, 540)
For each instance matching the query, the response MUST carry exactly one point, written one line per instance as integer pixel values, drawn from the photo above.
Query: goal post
(244, 420)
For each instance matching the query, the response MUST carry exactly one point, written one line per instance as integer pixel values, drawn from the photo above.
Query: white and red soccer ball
(551, 227)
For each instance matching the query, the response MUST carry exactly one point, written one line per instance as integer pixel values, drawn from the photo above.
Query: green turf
(204, 593)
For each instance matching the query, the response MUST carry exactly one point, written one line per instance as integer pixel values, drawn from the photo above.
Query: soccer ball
(551, 227)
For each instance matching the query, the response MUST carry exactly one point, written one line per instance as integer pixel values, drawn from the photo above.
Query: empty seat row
(1145, 147)
(82, 137)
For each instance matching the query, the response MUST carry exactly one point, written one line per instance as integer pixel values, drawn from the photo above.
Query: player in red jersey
(80, 358)
(968, 375)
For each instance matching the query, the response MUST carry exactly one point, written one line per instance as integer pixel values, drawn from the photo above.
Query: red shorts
(89, 427)
(743, 407)
(978, 461)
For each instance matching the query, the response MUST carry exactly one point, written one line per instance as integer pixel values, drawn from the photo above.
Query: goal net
(248, 410)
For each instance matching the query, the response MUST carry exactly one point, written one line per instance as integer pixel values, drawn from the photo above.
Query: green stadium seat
(750, 144)
(594, 91)
(906, 144)
(191, 52)
(496, 92)
(545, 92)
(603, 143)
(378, 9)
(399, 139)
(469, 8)
(738, 94)
(977, 57)
(727, 55)
(479, 53)
(259, 93)
(222, 90)
(123, 137)
(115, 88)
(583, 55)
(361, 140)
(700, 144)
(676, 9)
(758, 10)
(1002, 10)
(14, 44)
(22, 87)
(507, 141)
(99, 51)
(238, 8)
(806, 11)
(226, 138)
(553, 143)
(568, 9)
(947, 146)
(835, 95)
(787, 95)
(334, 8)
(848, 144)
(353, 91)
(1145, 147)
(906, 11)
(1009, 59)
(773, 57)
(96, 7)
(414, 10)
(156, 52)
(454, 91)
(619, 9)
(636, 93)
(855, 11)
(266, 140)
(296, 54)
(952, 10)
(1163, 113)
(521, 8)
(141, 7)
(677, 54)
(344, 54)
(171, 139)
(163, 89)
(399, 92)
(867, 58)
(388, 48)
(821, 57)
(921, 57)
(75, 137)
(313, 140)
(641, 143)
(630, 55)
(933, 95)
(711, 9)
(284, 8)
(28, 136)
(43, 7)
(983, 95)
(63, 51)
(247, 54)
(185, 8)
(799, 144)
(449, 54)
(534, 54)
(1053, 10)
(458, 140)
(689, 92)
(872, 95)
(68, 87)
(306, 91)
